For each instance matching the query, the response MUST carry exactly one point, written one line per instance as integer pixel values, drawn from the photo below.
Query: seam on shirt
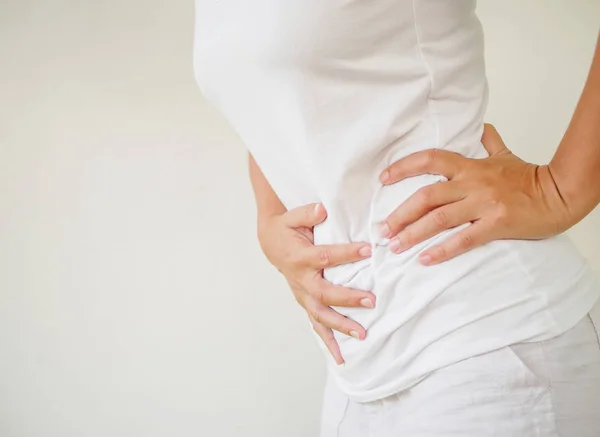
(432, 114)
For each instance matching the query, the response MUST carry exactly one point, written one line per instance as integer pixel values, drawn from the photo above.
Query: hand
(503, 196)
(287, 241)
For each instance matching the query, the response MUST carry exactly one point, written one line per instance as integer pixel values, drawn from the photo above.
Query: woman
(430, 260)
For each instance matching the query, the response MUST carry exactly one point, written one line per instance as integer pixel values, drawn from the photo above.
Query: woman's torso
(326, 94)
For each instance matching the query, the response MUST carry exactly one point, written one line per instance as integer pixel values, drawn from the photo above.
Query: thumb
(305, 216)
(492, 141)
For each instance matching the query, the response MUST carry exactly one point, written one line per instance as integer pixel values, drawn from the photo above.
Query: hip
(429, 317)
(549, 388)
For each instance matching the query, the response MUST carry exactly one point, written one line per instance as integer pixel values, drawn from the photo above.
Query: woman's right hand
(287, 241)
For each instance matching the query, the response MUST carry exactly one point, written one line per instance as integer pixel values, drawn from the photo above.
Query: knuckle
(315, 313)
(441, 252)
(502, 210)
(440, 217)
(324, 256)
(466, 240)
(430, 156)
(501, 213)
(425, 195)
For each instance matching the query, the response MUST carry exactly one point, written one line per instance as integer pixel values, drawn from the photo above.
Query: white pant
(545, 389)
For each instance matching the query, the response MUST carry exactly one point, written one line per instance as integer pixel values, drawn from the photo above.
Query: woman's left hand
(503, 196)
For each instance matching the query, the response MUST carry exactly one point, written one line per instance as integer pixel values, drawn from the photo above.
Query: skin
(502, 196)
(286, 238)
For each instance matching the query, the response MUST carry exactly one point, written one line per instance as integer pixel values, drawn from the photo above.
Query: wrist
(566, 202)
(560, 208)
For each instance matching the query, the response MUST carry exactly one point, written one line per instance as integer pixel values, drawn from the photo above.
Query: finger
(431, 161)
(322, 256)
(416, 206)
(334, 320)
(305, 216)
(492, 141)
(436, 221)
(338, 296)
(475, 235)
(328, 338)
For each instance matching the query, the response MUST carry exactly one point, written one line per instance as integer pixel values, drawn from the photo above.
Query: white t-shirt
(326, 94)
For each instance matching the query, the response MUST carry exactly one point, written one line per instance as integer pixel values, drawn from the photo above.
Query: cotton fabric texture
(543, 389)
(326, 95)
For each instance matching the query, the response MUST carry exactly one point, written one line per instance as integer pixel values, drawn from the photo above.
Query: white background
(134, 300)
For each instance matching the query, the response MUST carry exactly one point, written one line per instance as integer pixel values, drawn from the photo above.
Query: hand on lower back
(287, 241)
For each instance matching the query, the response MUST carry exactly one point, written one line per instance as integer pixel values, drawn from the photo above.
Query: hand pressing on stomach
(502, 196)
(287, 241)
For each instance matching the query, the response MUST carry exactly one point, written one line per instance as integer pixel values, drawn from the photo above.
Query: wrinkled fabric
(326, 95)
(549, 388)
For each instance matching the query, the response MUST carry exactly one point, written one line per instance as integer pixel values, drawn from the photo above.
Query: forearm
(267, 202)
(576, 165)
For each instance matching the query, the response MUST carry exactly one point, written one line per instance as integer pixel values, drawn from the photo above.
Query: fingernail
(317, 208)
(425, 259)
(394, 245)
(355, 335)
(384, 229)
(384, 176)
(365, 251)
(367, 303)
